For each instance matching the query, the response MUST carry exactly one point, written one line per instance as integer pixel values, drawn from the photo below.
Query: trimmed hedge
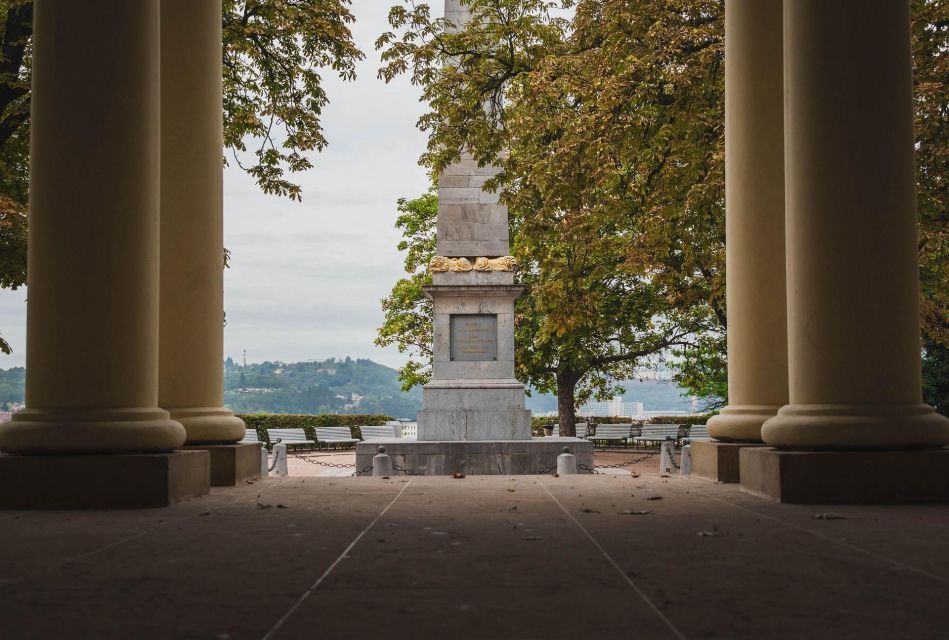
(263, 421)
(686, 420)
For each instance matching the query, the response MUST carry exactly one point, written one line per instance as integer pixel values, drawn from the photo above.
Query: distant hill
(327, 386)
(348, 386)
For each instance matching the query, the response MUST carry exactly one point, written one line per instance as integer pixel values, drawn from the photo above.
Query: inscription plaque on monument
(474, 337)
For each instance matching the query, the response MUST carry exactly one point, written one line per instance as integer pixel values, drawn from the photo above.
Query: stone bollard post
(264, 461)
(566, 463)
(382, 464)
(280, 451)
(685, 462)
(667, 457)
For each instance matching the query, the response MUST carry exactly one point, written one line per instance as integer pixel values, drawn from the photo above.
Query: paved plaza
(604, 556)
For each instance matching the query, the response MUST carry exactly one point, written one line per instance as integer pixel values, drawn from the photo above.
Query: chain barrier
(331, 465)
(620, 465)
(593, 470)
(363, 471)
(406, 472)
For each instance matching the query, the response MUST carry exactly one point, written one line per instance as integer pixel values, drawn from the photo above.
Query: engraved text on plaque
(474, 337)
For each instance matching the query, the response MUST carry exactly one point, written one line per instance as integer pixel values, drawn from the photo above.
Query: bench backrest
(333, 433)
(582, 428)
(383, 432)
(287, 436)
(250, 435)
(699, 431)
(661, 431)
(612, 430)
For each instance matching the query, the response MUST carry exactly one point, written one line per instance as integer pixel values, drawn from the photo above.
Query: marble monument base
(231, 464)
(474, 410)
(718, 461)
(504, 458)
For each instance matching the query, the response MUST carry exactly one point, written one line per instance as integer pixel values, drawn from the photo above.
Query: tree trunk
(566, 411)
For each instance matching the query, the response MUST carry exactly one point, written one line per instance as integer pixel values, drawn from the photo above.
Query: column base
(718, 461)
(853, 427)
(846, 477)
(231, 464)
(118, 481)
(75, 431)
(209, 425)
(741, 422)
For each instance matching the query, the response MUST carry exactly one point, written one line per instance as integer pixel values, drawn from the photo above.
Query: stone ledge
(445, 457)
(231, 464)
(718, 461)
(846, 477)
(117, 481)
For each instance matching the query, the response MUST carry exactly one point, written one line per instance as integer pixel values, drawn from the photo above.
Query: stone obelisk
(473, 394)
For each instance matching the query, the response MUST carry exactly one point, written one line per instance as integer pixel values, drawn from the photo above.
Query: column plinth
(192, 223)
(754, 220)
(92, 331)
(853, 277)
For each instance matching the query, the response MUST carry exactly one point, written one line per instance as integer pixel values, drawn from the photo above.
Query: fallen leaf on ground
(261, 505)
(533, 538)
(653, 497)
(830, 515)
(707, 534)
(588, 510)
(282, 506)
(635, 512)
(457, 476)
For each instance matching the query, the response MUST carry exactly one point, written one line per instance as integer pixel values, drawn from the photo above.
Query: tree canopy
(608, 127)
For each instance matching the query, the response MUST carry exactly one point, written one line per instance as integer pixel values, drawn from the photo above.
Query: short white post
(685, 462)
(280, 451)
(667, 457)
(566, 463)
(382, 464)
(264, 460)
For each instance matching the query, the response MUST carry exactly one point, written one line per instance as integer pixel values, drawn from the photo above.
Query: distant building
(614, 408)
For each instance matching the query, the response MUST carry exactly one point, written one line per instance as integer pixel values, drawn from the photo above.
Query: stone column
(853, 283)
(92, 312)
(754, 220)
(192, 222)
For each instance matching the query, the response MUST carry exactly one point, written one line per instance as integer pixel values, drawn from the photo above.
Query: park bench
(289, 437)
(657, 433)
(250, 436)
(382, 432)
(334, 436)
(410, 430)
(699, 432)
(582, 429)
(611, 433)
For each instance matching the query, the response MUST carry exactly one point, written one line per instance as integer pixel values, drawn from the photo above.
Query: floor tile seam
(345, 553)
(629, 581)
(847, 545)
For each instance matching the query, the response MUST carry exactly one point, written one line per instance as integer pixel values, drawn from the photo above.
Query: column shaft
(754, 220)
(92, 312)
(853, 283)
(192, 222)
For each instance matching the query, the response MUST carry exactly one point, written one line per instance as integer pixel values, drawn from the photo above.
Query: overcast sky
(306, 279)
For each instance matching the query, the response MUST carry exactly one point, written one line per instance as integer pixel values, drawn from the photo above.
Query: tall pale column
(853, 284)
(92, 312)
(754, 220)
(192, 222)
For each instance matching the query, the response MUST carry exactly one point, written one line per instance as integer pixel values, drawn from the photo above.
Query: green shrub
(263, 421)
(538, 423)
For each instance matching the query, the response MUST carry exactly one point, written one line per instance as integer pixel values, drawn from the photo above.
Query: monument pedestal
(231, 464)
(102, 481)
(846, 477)
(504, 458)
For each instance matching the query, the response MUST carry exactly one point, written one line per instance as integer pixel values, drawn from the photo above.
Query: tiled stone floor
(481, 557)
